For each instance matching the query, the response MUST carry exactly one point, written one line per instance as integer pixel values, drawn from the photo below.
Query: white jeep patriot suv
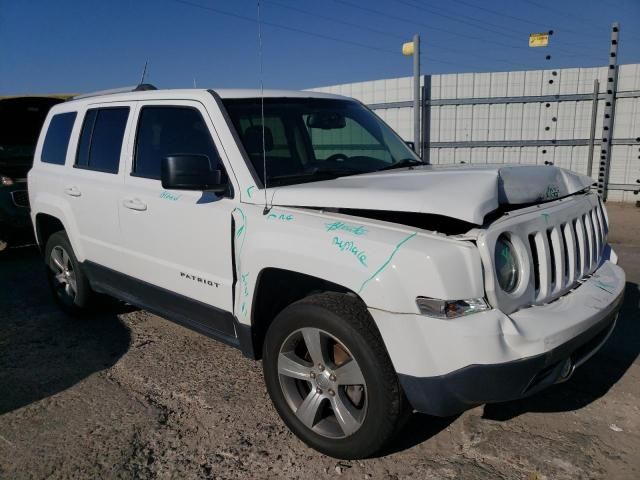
(301, 229)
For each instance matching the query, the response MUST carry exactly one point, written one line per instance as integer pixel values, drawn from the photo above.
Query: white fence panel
(495, 118)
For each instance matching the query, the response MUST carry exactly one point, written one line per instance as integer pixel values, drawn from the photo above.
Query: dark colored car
(21, 119)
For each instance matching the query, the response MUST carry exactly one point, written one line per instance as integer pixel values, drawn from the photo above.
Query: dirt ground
(129, 395)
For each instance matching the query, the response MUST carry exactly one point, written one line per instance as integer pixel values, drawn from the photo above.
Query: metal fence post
(592, 133)
(609, 113)
(416, 93)
(426, 119)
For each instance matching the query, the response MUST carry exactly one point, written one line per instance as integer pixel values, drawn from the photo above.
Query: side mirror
(411, 145)
(190, 172)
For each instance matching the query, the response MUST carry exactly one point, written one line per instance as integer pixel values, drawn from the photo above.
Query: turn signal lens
(434, 307)
(6, 181)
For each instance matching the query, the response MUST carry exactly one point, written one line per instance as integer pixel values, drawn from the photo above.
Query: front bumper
(447, 366)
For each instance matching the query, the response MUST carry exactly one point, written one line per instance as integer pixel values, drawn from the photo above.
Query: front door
(177, 241)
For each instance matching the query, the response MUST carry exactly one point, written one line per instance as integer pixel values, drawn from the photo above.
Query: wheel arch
(50, 211)
(277, 288)
(46, 225)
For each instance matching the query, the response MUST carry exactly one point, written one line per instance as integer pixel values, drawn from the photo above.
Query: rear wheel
(330, 377)
(68, 282)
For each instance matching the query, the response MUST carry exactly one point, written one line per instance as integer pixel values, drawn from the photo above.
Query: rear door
(177, 241)
(94, 183)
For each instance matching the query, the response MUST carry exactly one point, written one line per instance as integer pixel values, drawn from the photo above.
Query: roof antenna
(144, 72)
(264, 147)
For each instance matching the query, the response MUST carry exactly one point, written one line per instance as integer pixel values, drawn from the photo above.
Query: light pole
(408, 49)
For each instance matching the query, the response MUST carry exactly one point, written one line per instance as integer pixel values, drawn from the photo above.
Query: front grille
(557, 245)
(566, 252)
(20, 198)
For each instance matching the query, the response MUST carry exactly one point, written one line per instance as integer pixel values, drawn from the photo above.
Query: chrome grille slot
(578, 229)
(540, 243)
(596, 237)
(535, 264)
(589, 260)
(558, 258)
(603, 224)
(552, 261)
(598, 233)
(570, 245)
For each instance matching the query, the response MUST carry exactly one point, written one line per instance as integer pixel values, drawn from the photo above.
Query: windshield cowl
(409, 163)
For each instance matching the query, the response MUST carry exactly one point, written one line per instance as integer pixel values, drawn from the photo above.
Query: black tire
(79, 302)
(346, 320)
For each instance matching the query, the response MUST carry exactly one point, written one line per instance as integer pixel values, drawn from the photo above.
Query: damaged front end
(446, 197)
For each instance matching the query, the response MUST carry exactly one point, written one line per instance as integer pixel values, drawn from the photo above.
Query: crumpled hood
(464, 192)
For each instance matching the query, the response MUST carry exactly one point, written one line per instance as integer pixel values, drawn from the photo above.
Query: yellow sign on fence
(539, 39)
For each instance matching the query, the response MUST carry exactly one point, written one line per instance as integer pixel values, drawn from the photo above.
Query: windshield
(20, 122)
(311, 139)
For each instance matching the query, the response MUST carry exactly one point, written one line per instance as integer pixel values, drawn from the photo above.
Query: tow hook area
(585, 352)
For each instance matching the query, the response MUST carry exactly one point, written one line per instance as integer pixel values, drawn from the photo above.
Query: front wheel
(330, 377)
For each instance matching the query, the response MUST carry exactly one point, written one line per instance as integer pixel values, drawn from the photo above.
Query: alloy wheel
(322, 383)
(63, 275)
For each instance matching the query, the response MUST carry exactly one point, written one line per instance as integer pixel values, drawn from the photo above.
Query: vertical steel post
(594, 117)
(426, 119)
(416, 92)
(609, 112)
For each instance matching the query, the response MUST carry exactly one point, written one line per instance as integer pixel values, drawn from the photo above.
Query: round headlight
(507, 268)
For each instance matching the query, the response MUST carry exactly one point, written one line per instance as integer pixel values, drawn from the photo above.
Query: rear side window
(164, 131)
(56, 141)
(101, 138)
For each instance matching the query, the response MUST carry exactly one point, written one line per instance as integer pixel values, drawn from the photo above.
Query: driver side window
(352, 140)
(170, 130)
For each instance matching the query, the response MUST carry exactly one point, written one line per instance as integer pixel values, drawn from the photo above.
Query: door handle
(72, 191)
(135, 204)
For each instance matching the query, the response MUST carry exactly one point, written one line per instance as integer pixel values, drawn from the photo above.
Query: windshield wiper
(407, 162)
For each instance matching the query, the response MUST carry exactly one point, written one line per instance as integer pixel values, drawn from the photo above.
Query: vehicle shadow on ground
(42, 350)
(593, 379)
(418, 429)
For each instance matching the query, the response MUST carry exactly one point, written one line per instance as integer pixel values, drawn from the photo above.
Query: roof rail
(137, 88)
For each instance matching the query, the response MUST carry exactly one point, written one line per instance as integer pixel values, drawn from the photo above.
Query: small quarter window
(84, 143)
(101, 138)
(164, 131)
(56, 141)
